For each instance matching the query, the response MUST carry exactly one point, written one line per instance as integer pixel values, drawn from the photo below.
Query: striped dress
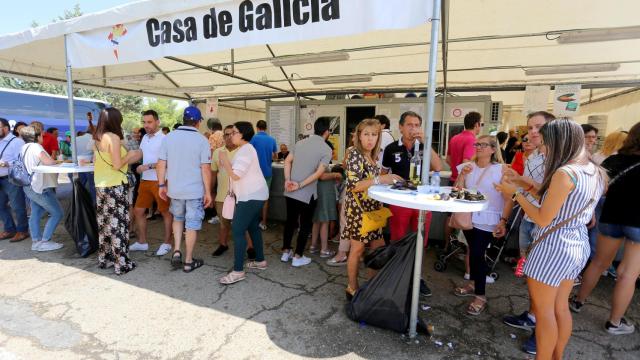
(564, 252)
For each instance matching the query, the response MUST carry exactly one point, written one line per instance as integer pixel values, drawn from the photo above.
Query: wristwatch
(513, 197)
(162, 185)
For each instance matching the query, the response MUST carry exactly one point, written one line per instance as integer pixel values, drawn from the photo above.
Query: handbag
(229, 204)
(131, 177)
(18, 174)
(372, 220)
(463, 220)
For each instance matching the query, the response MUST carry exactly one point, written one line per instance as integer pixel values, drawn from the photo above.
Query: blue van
(51, 110)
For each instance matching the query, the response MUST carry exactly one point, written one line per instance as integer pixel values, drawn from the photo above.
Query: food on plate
(463, 194)
(404, 185)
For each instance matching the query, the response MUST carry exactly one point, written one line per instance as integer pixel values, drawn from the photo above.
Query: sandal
(350, 293)
(477, 306)
(467, 290)
(327, 253)
(260, 265)
(233, 277)
(176, 261)
(337, 262)
(194, 264)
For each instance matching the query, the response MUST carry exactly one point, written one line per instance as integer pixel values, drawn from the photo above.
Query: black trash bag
(81, 220)
(385, 301)
(379, 257)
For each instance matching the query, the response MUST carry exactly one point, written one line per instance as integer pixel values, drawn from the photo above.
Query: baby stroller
(494, 250)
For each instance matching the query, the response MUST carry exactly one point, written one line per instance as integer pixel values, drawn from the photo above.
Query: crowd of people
(574, 227)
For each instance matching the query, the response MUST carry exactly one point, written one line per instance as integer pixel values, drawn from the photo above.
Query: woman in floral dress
(362, 172)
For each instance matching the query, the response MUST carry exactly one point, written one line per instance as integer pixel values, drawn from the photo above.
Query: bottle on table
(434, 185)
(415, 165)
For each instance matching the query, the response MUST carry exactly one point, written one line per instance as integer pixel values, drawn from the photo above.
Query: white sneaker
(490, 280)
(467, 276)
(163, 250)
(136, 246)
(214, 220)
(262, 226)
(286, 256)
(48, 246)
(301, 261)
(35, 245)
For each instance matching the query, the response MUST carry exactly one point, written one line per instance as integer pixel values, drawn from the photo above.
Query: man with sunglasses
(10, 194)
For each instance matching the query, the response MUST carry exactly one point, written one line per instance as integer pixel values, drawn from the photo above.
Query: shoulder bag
(18, 174)
(229, 204)
(463, 220)
(372, 220)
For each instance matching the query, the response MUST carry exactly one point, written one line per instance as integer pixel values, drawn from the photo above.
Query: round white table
(64, 168)
(419, 201)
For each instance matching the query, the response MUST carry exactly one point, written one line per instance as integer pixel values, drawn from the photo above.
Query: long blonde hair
(496, 157)
(613, 142)
(358, 145)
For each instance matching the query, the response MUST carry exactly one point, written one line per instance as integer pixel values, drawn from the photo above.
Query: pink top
(460, 148)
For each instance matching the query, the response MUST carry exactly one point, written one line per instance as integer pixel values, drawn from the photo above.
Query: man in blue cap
(184, 176)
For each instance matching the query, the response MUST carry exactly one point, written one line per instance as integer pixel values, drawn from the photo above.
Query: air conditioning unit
(496, 112)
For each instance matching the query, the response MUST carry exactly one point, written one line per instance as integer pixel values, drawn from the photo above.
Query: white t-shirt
(150, 146)
(252, 185)
(487, 219)
(31, 155)
(386, 139)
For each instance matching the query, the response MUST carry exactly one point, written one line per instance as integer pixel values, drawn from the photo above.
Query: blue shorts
(189, 211)
(620, 231)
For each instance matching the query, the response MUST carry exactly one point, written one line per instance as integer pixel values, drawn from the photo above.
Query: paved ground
(58, 306)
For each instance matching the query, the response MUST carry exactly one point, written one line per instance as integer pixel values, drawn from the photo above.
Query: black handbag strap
(106, 162)
(6, 146)
(617, 177)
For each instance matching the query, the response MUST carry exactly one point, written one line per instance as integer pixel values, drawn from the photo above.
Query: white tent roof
(490, 44)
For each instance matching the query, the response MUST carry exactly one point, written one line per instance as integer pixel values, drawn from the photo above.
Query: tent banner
(237, 24)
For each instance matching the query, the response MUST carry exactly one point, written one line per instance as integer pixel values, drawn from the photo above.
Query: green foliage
(167, 110)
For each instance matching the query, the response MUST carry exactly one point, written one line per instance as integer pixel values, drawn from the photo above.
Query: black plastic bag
(379, 257)
(81, 220)
(385, 301)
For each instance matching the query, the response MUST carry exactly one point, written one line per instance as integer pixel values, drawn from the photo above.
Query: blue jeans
(631, 233)
(525, 237)
(41, 204)
(246, 218)
(13, 195)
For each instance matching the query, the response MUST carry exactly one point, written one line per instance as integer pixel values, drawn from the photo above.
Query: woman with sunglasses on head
(568, 196)
(481, 174)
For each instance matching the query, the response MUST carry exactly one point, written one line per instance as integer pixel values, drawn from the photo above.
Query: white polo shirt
(150, 146)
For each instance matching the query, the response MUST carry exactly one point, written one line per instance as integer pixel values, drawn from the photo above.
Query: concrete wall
(228, 116)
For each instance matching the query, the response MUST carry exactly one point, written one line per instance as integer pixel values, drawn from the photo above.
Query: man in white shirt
(11, 196)
(386, 136)
(148, 188)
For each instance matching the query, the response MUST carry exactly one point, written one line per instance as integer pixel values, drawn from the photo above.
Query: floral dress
(358, 168)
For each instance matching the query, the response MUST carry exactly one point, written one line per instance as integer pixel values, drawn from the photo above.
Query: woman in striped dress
(569, 193)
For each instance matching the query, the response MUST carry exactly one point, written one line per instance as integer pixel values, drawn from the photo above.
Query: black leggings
(478, 241)
(298, 209)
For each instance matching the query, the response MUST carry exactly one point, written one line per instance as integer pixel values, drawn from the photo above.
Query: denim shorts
(525, 235)
(190, 211)
(620, 231)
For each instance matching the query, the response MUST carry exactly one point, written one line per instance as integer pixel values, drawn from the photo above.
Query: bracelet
(515, 194)
(162, 185)
(376, 180)
(503, 219)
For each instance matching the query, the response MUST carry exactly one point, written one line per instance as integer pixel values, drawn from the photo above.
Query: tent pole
(427, 127)
(72, 122)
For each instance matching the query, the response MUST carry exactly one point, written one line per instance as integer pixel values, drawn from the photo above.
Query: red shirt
(50, 143)
(518, 162)
(460, 148)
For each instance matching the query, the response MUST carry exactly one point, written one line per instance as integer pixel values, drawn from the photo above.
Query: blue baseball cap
(192, 113)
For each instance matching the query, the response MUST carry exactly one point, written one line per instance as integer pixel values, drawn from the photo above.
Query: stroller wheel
(440, 266)
(442, 257)
(495, 275)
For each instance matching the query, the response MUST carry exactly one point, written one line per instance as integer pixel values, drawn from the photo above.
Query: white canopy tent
(489, 45)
